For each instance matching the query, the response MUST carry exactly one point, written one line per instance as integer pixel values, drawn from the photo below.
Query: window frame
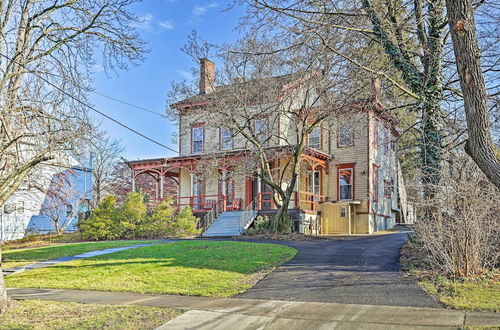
(267, 137)
(320, 138)
(339, 144)
(343, 211)
(376, 186)
(202, 127)
(375, 133)
(351, 167)
(221, 137)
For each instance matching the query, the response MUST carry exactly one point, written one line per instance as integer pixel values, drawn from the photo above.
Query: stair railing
(213, 213)
(248, 215)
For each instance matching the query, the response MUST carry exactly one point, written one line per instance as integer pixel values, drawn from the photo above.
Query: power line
(92, 107)
(129, 104)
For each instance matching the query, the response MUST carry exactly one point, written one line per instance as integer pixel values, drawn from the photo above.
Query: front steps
(227, 224)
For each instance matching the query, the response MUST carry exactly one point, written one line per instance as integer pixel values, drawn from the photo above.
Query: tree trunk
(479, 146)
(5, 301)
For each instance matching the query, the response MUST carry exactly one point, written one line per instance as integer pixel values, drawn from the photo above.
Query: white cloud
(199, 11)
(167, 25)
(145, 22)
(185, 74)
(97, 68)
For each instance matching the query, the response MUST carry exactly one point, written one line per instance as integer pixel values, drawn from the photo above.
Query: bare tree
(405, 43)
(106, 154)
(480, 144)
(47, 50)
(270, 104)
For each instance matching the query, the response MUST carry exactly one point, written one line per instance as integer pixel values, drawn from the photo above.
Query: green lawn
(20, 257)
(466, 294)
(203, 268)
(38, 314)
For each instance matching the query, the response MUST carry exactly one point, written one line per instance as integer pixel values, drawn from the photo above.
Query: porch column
(156, 190)
(223, 183)
(133, 181)
(191, 200)
(162, 178)
(297, 189)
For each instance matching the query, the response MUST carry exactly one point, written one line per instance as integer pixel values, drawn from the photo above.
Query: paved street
(356, 270)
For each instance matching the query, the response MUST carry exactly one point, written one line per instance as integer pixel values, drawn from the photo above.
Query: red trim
(351, 166)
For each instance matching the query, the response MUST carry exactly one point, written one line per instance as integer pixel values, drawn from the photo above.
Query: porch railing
(248, 215)
(213, 213)
(202, 203)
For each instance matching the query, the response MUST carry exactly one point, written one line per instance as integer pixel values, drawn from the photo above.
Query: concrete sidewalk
(235, 313)
(47, 263)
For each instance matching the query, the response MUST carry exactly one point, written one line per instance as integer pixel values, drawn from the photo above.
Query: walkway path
(42, 264)
(233, 313)
(355, 270)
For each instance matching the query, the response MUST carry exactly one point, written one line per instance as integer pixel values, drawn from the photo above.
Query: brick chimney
(375, 92)
(207, 76)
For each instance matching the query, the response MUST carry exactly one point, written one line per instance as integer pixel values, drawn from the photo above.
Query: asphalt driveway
(356, 270)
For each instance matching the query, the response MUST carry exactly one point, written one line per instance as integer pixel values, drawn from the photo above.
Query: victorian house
(348, 173)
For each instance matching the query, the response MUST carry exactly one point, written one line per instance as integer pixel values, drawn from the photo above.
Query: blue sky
(167, 24)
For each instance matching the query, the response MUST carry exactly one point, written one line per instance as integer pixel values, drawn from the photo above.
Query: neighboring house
(52, 192)
(348, 182)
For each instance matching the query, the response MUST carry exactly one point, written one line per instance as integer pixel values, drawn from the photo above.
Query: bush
(262, 225)
(131, 220)
(102, 224)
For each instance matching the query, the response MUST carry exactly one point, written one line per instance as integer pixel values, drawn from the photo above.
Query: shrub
(160, 223)
(102, 224)
(131, 214)
(185, 224)
(262, 225)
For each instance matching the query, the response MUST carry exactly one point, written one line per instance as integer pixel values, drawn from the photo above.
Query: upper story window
(375, 134)
(388, 188)
(226, 138)
(69, 210)
(386, 141)
(315, 138)
(197, 138)
(345, 135)
(262, 129)
(375, 183)
(345, 183)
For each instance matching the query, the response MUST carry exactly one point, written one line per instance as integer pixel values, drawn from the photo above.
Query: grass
(480, 294)
(37, 314)
(20, 257)
(201, 268)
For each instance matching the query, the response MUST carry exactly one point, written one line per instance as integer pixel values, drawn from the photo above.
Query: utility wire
(92, 107)
(129, 104)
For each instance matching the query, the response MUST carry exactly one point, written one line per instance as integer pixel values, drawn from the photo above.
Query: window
(375, 183)
(375, 134)
(387, 189)
(386, 140)
(69, 210)
(197, 137)
(226, 138)
(262, 129)
(20, 207)
(343, 211)
(9, 208)
(345, 183)
(315, 138)
(315, 184)
(198, 189)
(346, 136)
